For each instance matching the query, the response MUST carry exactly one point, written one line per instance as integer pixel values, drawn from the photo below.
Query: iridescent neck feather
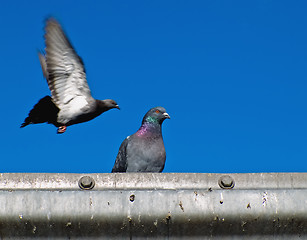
(150, 119)
(149, 129)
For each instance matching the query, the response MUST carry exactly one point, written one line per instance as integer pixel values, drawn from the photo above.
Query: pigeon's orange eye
(157, 111)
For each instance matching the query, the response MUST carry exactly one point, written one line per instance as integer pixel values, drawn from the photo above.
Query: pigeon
(144, 150)
(71, 101)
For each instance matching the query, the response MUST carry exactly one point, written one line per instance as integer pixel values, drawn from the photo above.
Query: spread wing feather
(64, 69)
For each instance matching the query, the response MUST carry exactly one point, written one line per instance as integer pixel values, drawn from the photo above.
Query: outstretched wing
(64, 68)
(121, 159)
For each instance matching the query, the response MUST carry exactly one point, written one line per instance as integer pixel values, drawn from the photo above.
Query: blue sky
(232, 75)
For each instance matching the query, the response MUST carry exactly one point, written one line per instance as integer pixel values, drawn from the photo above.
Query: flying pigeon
(144, 150)
(71, 101)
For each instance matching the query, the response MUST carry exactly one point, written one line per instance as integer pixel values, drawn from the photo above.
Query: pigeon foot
(61, 129)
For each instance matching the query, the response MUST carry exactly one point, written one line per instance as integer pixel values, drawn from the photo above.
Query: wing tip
(42, 61)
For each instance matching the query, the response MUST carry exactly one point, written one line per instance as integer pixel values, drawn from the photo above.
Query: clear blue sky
(232, 75)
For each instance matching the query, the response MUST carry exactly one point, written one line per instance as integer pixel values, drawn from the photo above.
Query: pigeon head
(107, 104)
(155, 115)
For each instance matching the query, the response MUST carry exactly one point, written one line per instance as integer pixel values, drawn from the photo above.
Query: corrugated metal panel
(158, 206)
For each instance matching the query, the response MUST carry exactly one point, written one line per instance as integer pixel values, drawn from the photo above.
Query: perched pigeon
(71, 101)
(144, 151)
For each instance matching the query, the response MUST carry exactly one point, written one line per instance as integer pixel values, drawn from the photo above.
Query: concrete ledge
(158, 206)
(104, 181)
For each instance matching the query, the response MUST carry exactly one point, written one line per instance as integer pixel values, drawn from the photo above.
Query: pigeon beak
(166, 115)
(117, 107)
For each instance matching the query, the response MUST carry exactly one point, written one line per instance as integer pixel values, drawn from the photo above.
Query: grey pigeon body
(144, 151)
(71, 98)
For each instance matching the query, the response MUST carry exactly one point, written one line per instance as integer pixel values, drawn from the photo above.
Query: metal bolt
(226, 182)
(86, 183)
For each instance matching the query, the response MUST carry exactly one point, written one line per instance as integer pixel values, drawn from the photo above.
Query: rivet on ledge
(86, 183)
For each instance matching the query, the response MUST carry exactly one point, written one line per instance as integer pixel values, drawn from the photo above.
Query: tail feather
(44, 111)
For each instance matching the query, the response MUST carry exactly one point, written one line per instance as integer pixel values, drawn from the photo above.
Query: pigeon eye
(157, 111)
